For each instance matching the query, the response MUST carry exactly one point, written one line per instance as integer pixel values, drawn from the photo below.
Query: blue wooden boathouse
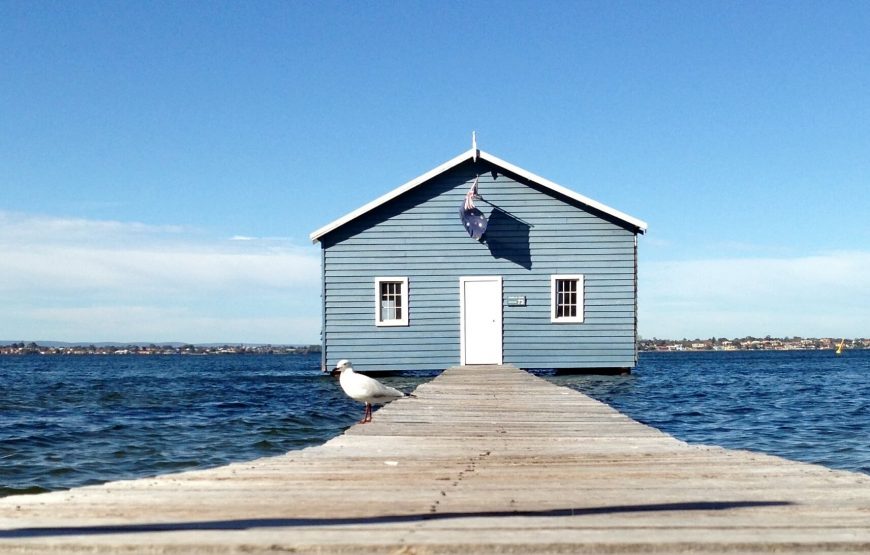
(551, 284)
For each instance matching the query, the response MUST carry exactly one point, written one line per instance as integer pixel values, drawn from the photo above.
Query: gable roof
(468, 155)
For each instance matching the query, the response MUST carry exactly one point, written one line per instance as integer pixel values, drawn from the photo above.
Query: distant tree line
(751, 343)
(33, 348)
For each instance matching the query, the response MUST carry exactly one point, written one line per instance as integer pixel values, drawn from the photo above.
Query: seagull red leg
(367, 415)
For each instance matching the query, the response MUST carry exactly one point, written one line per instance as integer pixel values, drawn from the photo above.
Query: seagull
(365, 389)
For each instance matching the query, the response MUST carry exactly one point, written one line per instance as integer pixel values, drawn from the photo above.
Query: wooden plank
(486, 459)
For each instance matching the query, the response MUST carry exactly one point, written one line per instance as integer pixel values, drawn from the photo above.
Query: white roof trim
(640, 224)
(316, 235)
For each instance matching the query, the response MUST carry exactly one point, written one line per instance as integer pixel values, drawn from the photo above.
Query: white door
(480, 322)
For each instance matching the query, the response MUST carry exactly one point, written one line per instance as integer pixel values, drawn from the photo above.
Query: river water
(67, 421)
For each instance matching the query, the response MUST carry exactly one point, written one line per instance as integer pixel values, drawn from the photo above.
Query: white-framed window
(566, 298)
(391, 301)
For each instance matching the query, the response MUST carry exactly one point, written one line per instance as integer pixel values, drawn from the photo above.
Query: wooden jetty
(486, 459)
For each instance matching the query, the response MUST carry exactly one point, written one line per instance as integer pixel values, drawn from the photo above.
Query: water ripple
(807, 405)
(70, 421)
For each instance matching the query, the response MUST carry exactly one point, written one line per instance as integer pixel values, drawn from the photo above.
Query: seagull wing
(369, 390)
(379, 392)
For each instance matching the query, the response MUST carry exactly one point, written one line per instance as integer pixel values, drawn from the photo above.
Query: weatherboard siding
(419, 235)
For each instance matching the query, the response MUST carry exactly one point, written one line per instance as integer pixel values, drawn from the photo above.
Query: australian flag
(472, 218)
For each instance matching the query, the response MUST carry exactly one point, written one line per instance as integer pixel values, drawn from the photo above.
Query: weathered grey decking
(486, 459)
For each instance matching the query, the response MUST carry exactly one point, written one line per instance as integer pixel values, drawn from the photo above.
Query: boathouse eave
(640, 225)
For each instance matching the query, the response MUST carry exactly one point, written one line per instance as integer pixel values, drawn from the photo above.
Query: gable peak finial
(474, 145)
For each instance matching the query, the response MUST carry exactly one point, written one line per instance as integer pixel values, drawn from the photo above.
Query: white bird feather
(365, 389)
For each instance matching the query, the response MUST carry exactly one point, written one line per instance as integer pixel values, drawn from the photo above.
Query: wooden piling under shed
(486, 459)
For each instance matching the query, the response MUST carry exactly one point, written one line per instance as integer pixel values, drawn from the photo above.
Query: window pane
(391, 300)
(386, 310)
(566, 292)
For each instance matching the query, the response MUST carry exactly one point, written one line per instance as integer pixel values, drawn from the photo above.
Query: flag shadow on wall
(508, 237)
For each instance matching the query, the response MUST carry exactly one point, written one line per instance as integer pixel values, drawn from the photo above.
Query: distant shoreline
(32, 348)
(752, 344)
(747, 350)
(749, 344)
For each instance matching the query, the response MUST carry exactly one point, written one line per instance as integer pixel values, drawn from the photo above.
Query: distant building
(551, 284)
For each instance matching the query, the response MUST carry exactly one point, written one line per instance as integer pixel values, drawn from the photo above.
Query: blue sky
(162, 163)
